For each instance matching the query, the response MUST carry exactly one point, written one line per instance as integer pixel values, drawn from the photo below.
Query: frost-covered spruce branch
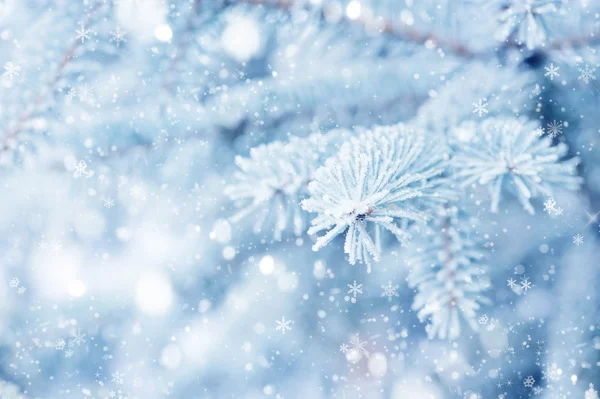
(495, 90)
(376, 180)
(510, 155)
(447, 270)
(274, 179)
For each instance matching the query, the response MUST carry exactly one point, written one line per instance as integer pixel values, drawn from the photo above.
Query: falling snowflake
(118, 378)
(56, 247)
(85, 92)
(109, 202)
(586, 74)
(525, 284)
(511, 283)
(354, 290)
(78, 338)
(82, 33)
(578, 239)
(551, 208)
(11, 70)
(14, 282)
(480, 107)
(80, 169)
(72, 93)
(529, 381)
(552, 71)
(554, 129)
(359, 346)
(539, 131)
(283, 325)
(60, 344)
(118, 36)
(390, 290)
(483, 319)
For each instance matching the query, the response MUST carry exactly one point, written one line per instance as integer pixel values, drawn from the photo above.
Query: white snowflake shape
(525, 284)
(483, 319)
(118, 378)
(85, 92)
(586, 74)
(109, 202)
(11, 70)
(14, 282)
(78, 338)
(358, 345)
(21, 290)
(56, 247)
(480, 107)
(512, 283)
(578, 239)
(82, 33)
(80, 169)
(354, 290)
(551, 208)
(529, 381)
(552, 71)
(72, 93)
(118, 36)
(60, 344)
(283, 325)
(390, 290)
(554, 129)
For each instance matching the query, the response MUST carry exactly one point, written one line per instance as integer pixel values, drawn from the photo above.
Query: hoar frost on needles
(523, 21)
(274, 179)
(509, 155)
(385, 175)
(448, 271)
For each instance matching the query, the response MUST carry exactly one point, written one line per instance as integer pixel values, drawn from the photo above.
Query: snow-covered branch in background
(510, 155)
(274, 179)
(447, 269)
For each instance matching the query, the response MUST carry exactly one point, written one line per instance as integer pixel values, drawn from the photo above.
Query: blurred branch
(182, 44)
(386, 26)
(408, 34)
(66, 59)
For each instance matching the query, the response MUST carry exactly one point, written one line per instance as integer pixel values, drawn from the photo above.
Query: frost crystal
(523, 21)
(376, 180)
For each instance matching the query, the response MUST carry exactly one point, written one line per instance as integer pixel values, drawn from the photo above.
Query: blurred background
(122, 274)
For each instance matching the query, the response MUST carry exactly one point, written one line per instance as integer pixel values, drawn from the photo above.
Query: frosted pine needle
(376, 180)
(447, 269)
(509, 155)
(274, 179)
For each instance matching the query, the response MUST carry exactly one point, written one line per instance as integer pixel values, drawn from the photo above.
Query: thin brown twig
(384, 25)
(412, 35)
